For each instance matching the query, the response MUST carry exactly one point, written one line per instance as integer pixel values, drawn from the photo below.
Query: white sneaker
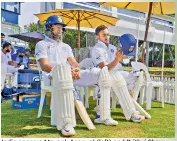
(108, 121)
(68, 130)
(137, 118)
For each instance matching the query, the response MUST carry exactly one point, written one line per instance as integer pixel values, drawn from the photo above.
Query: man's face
(2, 38)
(8, 49)
(104, 36)
(57, 30)
(27, 53)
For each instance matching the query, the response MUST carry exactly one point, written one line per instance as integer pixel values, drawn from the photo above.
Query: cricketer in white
(49, 53)
(105, 54)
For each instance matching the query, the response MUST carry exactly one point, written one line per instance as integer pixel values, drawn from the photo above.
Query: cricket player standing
(105, 54)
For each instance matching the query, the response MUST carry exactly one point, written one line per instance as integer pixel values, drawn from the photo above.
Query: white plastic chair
(3, 74)
(149, 85)
(9, 78)
(86, 64)
(44, 90)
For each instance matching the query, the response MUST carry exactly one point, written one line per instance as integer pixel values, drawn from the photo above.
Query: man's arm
(72, 61)
(45, 65)
(75, 67)
(113, 64)
(110, 66)
(42, 57)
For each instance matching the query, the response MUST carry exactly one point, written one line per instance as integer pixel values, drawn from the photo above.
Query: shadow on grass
(158, 107)
(25, 132)
(117, 114)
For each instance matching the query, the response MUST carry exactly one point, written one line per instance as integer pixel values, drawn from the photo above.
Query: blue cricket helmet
(54, 20)
(128, 44)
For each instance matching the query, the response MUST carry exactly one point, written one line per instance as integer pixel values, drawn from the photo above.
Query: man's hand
(75, 73)
(119, 56)
(12, 63)
(140, 60)
(75, 68)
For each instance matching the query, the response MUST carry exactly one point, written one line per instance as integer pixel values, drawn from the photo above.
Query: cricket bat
(141, 110)
(82, 111)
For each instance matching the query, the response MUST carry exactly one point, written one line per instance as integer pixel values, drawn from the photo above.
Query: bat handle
(76, 95)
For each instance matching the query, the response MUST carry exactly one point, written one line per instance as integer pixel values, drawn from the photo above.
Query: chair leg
(9, 81)
(162, 95)
(53, 119)
(81, 93)
(141, 99)
(87, 95)
(43, 93)
(154, 94)
(149, 95)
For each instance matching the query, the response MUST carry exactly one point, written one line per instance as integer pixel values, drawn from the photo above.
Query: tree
(70, 37)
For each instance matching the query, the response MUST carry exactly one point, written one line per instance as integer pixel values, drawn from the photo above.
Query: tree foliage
(70, 37)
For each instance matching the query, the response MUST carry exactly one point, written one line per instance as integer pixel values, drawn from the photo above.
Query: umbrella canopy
(80, 18)
(159, 8)
(31, 37)
(150, 7)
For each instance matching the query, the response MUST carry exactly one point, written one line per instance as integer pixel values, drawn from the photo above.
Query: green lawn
(157, 71)
(23, 123)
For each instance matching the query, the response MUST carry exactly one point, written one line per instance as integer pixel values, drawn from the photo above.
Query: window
(75, 6)
(94, 4)
(131, 12)
(9, 29)
(49, 6)
(158, 24)
(11, 6)
(108, 8)
(134, 15)
(2, 5)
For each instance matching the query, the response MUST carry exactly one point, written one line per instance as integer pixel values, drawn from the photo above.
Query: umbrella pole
(78, 42)
(163, 54)
(146, 32)
(137, 42)
(78, 37)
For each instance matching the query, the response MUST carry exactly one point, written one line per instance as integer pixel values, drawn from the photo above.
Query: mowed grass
(157, 71)
(24, 123)
(153, 68)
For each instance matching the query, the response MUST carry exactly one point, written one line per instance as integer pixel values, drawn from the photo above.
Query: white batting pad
(105, 86)
(63, 95)
(120, 88)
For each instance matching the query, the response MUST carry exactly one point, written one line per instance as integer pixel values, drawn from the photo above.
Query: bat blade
(141, 110)
(82, 111)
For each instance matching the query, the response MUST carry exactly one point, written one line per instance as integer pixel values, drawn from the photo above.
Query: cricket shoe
(137, 118)
(68, 130)
(108, 121)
